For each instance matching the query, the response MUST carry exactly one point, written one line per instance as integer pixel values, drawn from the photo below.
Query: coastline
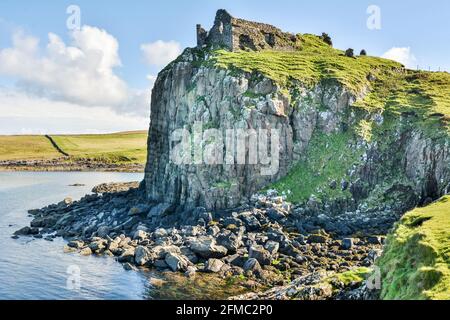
(266, 244)
(66, 166)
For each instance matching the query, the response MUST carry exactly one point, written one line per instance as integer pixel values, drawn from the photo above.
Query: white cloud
(402, 55)
(24, 114)
(160, 53)
(81, 73)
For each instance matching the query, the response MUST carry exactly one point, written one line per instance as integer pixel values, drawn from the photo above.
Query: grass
(26, 148)
(123, 147)
(327, 158)
(416, 262)
(356, 275)
(391, 87)
(114, 148)
(316, 61)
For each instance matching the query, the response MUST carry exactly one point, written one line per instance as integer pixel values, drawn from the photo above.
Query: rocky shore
(66, 164)
(267, 243)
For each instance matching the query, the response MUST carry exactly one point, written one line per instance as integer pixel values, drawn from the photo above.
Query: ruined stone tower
(237, 34)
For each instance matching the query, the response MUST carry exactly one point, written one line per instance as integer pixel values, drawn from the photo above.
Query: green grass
(327, 158)
(26, 148)
(357, 275)
(114, 148)
(123, 147)
(316, 61)
(416, 262)
(393, 88)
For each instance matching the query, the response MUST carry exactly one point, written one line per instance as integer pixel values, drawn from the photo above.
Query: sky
(89, 66)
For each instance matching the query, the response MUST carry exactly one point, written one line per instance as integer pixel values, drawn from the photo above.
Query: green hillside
(123, 147)
(416, 261)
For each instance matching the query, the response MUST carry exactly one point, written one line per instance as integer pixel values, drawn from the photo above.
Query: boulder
(97, 246)
(347, 244)
(103, 231)
(251, 222)
(160, 233)
(229, 240)
(142, 256)
(77, 244)
(259, 253)
(26, 231)
(129, 267)
(317, 238)
(214, 265)
(235, 260)
(252, 265)
(374, 240)
(140, 235)
(207, 248)
(232, 221)
(176, 262)
(272, 247)
(275, 214)
(160, 264)
(86, 251)
(127, 255)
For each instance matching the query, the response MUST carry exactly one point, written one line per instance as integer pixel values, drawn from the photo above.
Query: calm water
(37, 269)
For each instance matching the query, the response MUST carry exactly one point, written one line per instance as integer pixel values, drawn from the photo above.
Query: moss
(347, 278)
(357, 275)
(364, 130)
(416, 261)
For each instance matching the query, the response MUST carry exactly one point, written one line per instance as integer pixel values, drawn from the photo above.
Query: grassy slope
(116, 148)
(416, 261)
(395, 91)
(112, 148)
(26, 148)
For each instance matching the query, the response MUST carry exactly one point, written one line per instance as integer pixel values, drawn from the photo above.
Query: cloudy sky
(56, 78)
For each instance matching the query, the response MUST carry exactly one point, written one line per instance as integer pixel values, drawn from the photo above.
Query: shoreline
(61, 166)
(266, 244)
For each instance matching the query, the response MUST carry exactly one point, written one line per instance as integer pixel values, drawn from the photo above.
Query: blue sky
(421, 26)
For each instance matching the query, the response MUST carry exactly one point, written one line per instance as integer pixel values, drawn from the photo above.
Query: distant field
(26, 148)
(123, 147)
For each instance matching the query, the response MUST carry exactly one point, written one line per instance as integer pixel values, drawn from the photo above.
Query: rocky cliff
(353, 133)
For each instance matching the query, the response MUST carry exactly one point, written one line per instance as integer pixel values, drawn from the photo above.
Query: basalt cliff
(355, 133)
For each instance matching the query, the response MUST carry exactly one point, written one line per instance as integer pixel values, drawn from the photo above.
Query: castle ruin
(237, 34)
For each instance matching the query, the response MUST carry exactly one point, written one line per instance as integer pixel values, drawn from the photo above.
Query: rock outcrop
(185, 95)
(209, 108)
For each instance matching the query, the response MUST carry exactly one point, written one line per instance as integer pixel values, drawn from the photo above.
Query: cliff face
(185, 95)
(358, 133)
